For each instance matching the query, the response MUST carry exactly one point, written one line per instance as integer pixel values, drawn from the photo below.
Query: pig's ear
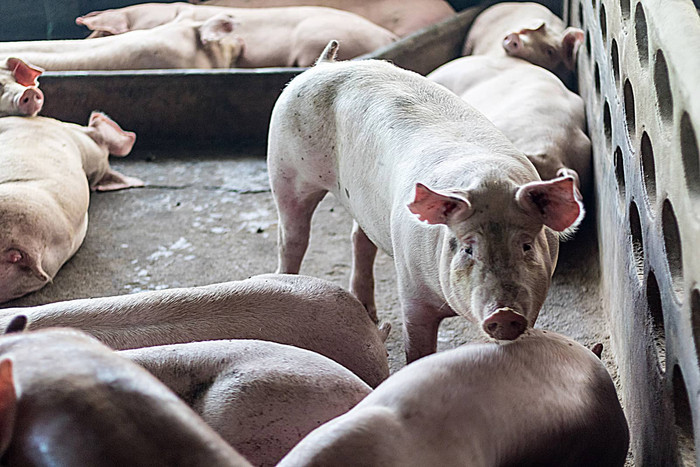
(438, 207)
(554, 202)
(105, 22)
(571, 41)
(113, 180)
(24, 73)
(216, 28)
(8, 404)
(109, 133)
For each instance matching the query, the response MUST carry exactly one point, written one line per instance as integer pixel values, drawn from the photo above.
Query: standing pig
(19, 89)
(66, 399)
(531, 106)
(47, 169)
(261, 397)
(292, 36)
(185, 44)
(399, 16)
(306, 312)
(543, 400)
(392, 145)
(529, 31)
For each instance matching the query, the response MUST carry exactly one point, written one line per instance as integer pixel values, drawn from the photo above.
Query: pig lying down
(187, 44)
(531, 106)
(272, 37)
(47, 169)
(66, 399)
(400, 16)
(543, 400)
(306, 312)
(396, 149)
(261, 397)
(19, 89)
(529, 31)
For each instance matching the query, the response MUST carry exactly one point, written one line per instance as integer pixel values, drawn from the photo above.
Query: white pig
(47, 169)
(185, 44)
(292, 36)
(303, 311)
(261, 397)
(531, 106)
(19, 88)
(400, 16)
(543, 400)
(529, 31)
(66, 399)
(390, 145)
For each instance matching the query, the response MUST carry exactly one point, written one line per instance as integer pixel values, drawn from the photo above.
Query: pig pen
(206, 214)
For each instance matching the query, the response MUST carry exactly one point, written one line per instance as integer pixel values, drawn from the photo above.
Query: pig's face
(545, 47)
(499, 248)
(19, 91)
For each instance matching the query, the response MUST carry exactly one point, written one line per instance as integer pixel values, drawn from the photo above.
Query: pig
(399, 16)
(396, 149)
(19, 89)
(306, 312)
(47, 169)
(66, 399)
(531, 106)
(273, 37)
(261, 397)
(543, 400)
(529, 31)
(185, 44)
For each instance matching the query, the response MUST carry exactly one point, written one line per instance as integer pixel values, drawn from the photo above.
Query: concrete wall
(639, 73)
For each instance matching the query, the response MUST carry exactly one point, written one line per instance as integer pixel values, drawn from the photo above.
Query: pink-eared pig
(543, 400)
(261, 397)
(19, 89)
(303, 311)
(47, 169)
(66, 399)
(185, 44)
(396, 149)
(529, 31)
(531, 106)
(273, 37)
(399, 16)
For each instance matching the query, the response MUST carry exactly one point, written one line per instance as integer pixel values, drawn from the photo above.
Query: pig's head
(19, 89)
(500, 247)
(543, 46)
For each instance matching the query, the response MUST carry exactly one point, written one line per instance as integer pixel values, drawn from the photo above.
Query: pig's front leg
(421, 321)
(362, 274)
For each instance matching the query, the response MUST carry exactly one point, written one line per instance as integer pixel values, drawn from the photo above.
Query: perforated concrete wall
(639, 74)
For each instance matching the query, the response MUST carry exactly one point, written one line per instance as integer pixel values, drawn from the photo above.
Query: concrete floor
(208, 216)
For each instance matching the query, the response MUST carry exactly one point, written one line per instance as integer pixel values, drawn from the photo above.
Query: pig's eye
(527, 247)
(550, 52)
(468, 250)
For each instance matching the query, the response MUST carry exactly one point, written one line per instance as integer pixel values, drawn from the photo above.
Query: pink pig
(19, 89)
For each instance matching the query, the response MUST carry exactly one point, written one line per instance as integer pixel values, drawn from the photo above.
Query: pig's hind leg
(295, 207)
(362, 275)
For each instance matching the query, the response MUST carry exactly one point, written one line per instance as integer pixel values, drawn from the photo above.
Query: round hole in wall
(615, 60)
(641, 36)
(663, 86)
(648, 169)
(625, 8)
(619, 171)
(596, 78)
(656, 316)
(637, 241)
(683, 418)
(603, 23)
(607, 123)
(674, 251)
(629, 108)
(690, 155)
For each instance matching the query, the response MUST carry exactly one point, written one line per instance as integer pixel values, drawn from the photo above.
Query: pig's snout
(31, 101)
(505, 324)
(512, 42)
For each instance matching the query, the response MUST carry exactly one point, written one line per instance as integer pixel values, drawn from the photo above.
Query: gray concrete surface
(207, 217)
